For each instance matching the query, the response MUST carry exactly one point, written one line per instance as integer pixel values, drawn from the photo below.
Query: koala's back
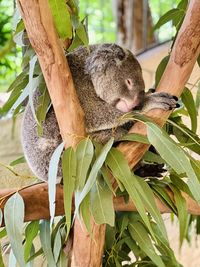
(39, 149)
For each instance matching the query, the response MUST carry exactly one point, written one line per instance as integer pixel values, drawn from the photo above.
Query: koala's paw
(160, 100)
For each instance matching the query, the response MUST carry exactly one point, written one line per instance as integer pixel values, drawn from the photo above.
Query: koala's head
(116, 76)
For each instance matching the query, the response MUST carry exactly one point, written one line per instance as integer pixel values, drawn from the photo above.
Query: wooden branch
(43, 38)
(37, 206)
(182, 59)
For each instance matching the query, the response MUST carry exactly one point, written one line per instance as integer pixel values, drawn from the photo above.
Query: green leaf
(61, 17)
(189, 103)
(57, 246)
(76, 42)
(84, 154)
(16, 87)
(121, 171)
(69, 164)
(169, 15)
(1, 259)
(149, 201)
(93, 173)
(14, 221)
(140, 235)
(18, 161)
(183, 4)
(82, 34)
(85, 212)
(52, 177)
(30, 233)
(182, 213)
(45, 239)
(135, 138)
(197, 101)
(164, 197)
(101, 200)
(160, 69)
(174, 156)
(12, 260)
(42, 107)
(152, 157)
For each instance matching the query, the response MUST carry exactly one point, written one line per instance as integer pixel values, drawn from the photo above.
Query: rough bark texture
(134, 24)
(43, 38)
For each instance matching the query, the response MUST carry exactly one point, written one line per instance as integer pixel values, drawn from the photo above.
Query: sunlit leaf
(94, 171)
(102, 203)
(61, 17)
(189, 103)
(52, 177)
(14, 221)
(45, 239)
(69, 164)
(140, 234)
(174, 156)
(18, 161)
(30, 233)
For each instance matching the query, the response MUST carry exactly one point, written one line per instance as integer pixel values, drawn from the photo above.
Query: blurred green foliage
(101, 28)
(9, 55)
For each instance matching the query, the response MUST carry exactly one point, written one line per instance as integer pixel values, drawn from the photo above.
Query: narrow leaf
(45, 239)
(174, 156)
(61, 17)
(52, 176)
(69, 174)
(30, 233)
(14, 221)
(93, 173)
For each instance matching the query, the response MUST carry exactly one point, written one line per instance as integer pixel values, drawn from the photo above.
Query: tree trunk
(134, 24)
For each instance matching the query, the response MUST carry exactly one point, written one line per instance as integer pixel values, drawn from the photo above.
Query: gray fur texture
(108, 80)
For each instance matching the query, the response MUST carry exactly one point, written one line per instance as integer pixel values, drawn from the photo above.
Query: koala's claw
(161, 100)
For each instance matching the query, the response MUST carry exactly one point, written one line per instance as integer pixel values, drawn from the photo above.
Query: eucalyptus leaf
(174, 156)
(197, 101)
(85, 213)
(84, 154)
(52, 177)
(12, 260)
(121, 171)
(93, 173)
(189, 103)
(57, 246)
(135, 138)
(30, 233)
(102, 203)
(140, 234)
(69, 164)
(168, 16)
(45, 239)
(82, 34)
(182, 213)
(61, 17)
(160, 69)
(18, 161)
(14, 221)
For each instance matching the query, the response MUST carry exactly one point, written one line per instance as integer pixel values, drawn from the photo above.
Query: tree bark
(37, 206)
(134, 24)
(44, 39)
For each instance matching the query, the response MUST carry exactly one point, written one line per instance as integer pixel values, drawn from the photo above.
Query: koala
(109, 83)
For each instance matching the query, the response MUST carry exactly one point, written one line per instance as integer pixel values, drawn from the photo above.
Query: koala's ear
(104, 56)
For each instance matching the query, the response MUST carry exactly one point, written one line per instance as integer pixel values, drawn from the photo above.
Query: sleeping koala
(109, 83)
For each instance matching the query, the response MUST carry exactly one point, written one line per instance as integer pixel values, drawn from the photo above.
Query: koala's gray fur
(101, 74)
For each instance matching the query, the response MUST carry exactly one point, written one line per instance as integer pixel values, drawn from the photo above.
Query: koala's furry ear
(103, 57)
